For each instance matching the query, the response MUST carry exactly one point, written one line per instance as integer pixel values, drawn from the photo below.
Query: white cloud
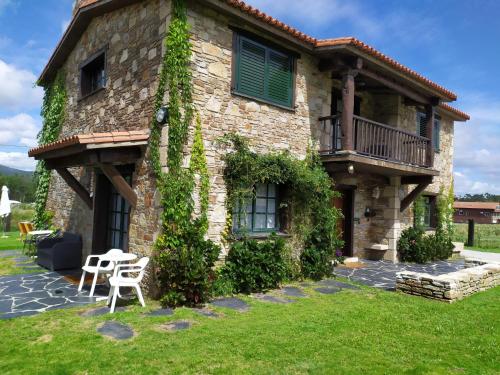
(18, 160)
(17, 90)
(20, 129)
(466, 183)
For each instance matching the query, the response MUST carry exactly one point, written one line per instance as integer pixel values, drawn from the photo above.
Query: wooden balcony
(375, 140)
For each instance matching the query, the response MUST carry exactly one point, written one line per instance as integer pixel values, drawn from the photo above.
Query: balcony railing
(376, 140)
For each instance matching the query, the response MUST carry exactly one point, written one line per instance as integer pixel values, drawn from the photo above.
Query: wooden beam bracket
(77, 187)
(405, 203)
(119, 183)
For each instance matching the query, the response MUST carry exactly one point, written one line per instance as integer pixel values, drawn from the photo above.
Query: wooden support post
(470, 234)
(119, 183)
(429, 129)
(346, 123)
(405, 203)
(74, 184)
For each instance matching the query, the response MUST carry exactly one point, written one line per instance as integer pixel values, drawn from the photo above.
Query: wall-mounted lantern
(376, 193)
(162, 115)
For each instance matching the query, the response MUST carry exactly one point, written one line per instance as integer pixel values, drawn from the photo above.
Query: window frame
(101, 52)
(268, 46)
(239, 229)
(436, 134)
(430, 206)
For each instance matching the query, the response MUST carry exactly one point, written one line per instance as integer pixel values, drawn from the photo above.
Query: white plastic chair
(99, 268)
(118, 280)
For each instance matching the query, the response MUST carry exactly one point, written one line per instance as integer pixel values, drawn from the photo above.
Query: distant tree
(486, 197)
(21, 187)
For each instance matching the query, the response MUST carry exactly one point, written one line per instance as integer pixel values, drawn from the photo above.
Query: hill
(8, 171)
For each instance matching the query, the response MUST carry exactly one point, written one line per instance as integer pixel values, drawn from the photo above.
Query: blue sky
(454, 43)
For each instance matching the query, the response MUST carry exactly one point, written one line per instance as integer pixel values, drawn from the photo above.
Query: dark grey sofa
(60, 252)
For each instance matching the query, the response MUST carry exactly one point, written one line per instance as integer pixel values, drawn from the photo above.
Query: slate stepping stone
(115, 330)
(176, 325)
(101, 311)
(5, 306)
(161, 312)
(207, 312)
(292, 291)
(273, 299)
(231, 303)
(327, 290)
(51, 301)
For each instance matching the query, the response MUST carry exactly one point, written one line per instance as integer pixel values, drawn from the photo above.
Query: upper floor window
(93, 74)
(436, 130)
(259, 213)
(262, 72)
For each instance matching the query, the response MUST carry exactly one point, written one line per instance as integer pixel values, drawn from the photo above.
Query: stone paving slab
(272, 299)
(291, 291)
(327, 290)
(176, 325)
(207, 312)
(231, 303)
(337, 284)
(161, 312)
(116, 330)
(98, 311)
(382, 274)
(34, 293)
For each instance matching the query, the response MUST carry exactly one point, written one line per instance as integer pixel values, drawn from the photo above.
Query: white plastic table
(40, 232)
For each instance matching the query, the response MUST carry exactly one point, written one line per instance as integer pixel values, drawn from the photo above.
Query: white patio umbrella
(5, 203)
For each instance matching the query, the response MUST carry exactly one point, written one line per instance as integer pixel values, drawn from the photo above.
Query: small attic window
(93, 74)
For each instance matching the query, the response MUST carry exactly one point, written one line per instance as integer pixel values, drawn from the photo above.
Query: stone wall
(133, 38)
(452, 286)
(269, 128)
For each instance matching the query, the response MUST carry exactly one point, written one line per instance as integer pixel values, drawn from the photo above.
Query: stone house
(385, 132)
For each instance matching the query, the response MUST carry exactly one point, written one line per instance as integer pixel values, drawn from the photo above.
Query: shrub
(415, 246)
(254, 266)
(185, 272)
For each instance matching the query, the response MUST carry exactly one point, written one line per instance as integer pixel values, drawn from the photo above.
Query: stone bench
(451, 286)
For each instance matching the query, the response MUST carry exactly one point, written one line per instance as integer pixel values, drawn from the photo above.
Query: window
(436, 130)
(93, 75)
(429, 219)
(259, 214)
(460, 212)
(262, 72)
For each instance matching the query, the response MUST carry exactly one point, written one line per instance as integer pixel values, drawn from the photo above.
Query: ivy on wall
(184, 257)
(53, 114)
(308, 199)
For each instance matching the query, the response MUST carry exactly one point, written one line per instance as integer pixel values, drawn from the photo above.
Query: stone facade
(452, 286)
(132, 37)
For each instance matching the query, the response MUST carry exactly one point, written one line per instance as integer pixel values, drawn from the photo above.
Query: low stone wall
(451, 286)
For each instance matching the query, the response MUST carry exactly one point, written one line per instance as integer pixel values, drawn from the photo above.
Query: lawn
(369, 331)
(486, 236)
(11, 242)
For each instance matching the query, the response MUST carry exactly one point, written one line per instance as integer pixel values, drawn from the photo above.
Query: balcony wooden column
(430, 116)
(346, 123)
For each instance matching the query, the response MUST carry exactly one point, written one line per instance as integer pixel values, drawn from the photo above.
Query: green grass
(486, 236)
(11, 242)
(371, 331)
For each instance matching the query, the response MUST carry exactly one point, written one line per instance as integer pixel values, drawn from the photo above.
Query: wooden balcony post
(346, 123)
(430, 115)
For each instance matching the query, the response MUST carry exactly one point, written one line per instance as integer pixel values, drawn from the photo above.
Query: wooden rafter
(119, 183)
(77, 187)
(405, 203)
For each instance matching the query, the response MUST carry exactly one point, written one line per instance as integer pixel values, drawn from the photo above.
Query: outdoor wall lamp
(350, 169)
(369, 212)
(162, 115)
(376, 193)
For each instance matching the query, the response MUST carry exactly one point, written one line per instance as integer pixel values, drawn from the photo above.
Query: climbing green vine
(184, 257)
(307, 199)
(53, 114)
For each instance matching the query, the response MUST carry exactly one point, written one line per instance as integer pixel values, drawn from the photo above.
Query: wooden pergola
(105, 151)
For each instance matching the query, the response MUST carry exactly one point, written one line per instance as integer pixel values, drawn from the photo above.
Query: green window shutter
(263, 73)
(421, 124)
(279, 80)
(251, 68)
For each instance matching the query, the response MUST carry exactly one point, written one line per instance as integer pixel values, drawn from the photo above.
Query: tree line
(21, 187)
(486, 197)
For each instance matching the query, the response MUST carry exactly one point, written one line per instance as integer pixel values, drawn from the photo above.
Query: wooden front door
(345, 225)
